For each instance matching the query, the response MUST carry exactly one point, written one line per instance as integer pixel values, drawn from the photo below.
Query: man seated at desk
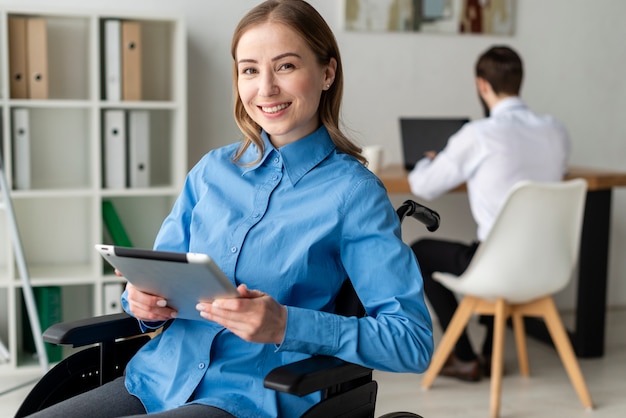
(490, 155)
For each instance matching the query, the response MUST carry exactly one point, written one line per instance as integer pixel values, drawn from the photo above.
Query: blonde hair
(303, 19)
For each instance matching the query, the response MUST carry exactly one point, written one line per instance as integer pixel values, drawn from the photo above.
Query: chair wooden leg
(497, 358)
(520, 343)
(450, 337)
(565, 350)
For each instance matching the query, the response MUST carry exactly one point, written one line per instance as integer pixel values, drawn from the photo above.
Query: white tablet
(183, 279)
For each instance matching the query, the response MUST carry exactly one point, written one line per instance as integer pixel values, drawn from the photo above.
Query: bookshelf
(57, 177)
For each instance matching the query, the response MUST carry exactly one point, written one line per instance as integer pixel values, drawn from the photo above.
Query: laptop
(420, 135)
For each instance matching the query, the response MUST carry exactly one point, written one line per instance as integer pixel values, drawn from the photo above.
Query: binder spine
(115, 143)
(21, 149)
(131, 60)
(112, 60)
(37, 58)
(49, 300)
(112, 294)
(139, 148)
(17, 58)
(114, 226)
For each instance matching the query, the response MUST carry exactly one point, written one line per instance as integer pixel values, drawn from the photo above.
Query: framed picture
(431, 16)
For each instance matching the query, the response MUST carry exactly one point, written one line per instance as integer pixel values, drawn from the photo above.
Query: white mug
(374, 155)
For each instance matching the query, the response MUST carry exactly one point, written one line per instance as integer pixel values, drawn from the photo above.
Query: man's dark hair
(501, 67)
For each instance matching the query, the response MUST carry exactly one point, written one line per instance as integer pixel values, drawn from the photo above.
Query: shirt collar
(298, 157)
(507, 104)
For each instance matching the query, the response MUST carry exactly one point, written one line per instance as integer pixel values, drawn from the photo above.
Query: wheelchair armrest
(92, 330)
(312, 374)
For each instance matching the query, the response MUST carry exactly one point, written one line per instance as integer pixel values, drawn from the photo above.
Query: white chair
(529, 254)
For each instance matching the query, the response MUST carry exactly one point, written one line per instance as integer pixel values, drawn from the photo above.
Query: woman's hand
(254, 317)
(147, 307)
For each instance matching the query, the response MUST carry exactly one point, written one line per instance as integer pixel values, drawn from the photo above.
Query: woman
(288, 214)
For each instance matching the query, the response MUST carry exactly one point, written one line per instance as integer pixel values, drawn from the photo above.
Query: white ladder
(27, 289)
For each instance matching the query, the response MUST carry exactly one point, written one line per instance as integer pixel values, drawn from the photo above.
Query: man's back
(516, 144)
(493, 154)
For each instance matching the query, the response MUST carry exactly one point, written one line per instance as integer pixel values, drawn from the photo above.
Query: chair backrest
(533, 246)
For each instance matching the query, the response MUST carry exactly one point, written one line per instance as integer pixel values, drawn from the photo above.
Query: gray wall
(574, 56)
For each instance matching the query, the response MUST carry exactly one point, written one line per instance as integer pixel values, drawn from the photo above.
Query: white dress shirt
(490, 155)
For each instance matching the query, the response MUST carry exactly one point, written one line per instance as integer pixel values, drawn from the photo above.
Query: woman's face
(280, 81)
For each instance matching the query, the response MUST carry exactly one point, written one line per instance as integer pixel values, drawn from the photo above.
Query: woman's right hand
(147, 307)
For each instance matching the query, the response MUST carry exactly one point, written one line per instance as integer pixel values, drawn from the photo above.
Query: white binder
(114, 137)
(139, 148)
(112, 60)
(112, 298)
(21, 149)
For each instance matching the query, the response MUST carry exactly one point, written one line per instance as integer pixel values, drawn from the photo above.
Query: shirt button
(201, 366)
(256, 215)
(276, 160)
(274, 177)
(233, 249)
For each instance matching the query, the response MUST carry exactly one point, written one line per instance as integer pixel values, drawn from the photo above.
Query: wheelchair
(348, 390)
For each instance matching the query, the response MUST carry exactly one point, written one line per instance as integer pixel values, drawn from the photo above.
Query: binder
(112, 294)
(50, 309)
(112, 60)
(21, 149)
(139, 148)
(113, 224)
(37, 58)
(18, 80)
(114, 141)
(131, 60)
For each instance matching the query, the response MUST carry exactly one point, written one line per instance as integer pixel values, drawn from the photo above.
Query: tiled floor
(546, 393)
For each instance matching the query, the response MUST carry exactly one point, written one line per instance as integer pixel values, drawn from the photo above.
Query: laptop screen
(420, 135)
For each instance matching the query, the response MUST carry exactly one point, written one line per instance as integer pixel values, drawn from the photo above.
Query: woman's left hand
(254, 317)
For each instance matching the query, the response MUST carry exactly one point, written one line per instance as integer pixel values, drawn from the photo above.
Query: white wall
(574, 58)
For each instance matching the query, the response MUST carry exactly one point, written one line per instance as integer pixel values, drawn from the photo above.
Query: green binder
(50, 311)
(114, 225)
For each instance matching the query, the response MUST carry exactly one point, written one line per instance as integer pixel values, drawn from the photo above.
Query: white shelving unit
(60, 215)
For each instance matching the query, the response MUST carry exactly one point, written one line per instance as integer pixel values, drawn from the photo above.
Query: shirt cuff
(310, 332)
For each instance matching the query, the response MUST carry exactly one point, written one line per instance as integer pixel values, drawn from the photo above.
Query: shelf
(59, 152)
(50, 103)
(55, 231)
(66, 274)
(141, 226)
(55, 155)
(76, 302)
(158, 70)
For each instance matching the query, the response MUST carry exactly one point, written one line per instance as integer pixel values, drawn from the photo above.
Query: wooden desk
(395, 178)
(588, 335)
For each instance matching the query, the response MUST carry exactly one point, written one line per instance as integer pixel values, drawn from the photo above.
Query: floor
(547, 393)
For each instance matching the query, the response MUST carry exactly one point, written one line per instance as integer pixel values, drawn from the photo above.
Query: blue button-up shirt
(295, 225)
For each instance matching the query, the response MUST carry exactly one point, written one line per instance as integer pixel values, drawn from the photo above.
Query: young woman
(289, 213)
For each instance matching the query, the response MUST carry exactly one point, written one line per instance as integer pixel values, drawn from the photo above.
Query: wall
(574, 58)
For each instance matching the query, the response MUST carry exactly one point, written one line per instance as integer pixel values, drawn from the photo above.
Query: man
(490, 155)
